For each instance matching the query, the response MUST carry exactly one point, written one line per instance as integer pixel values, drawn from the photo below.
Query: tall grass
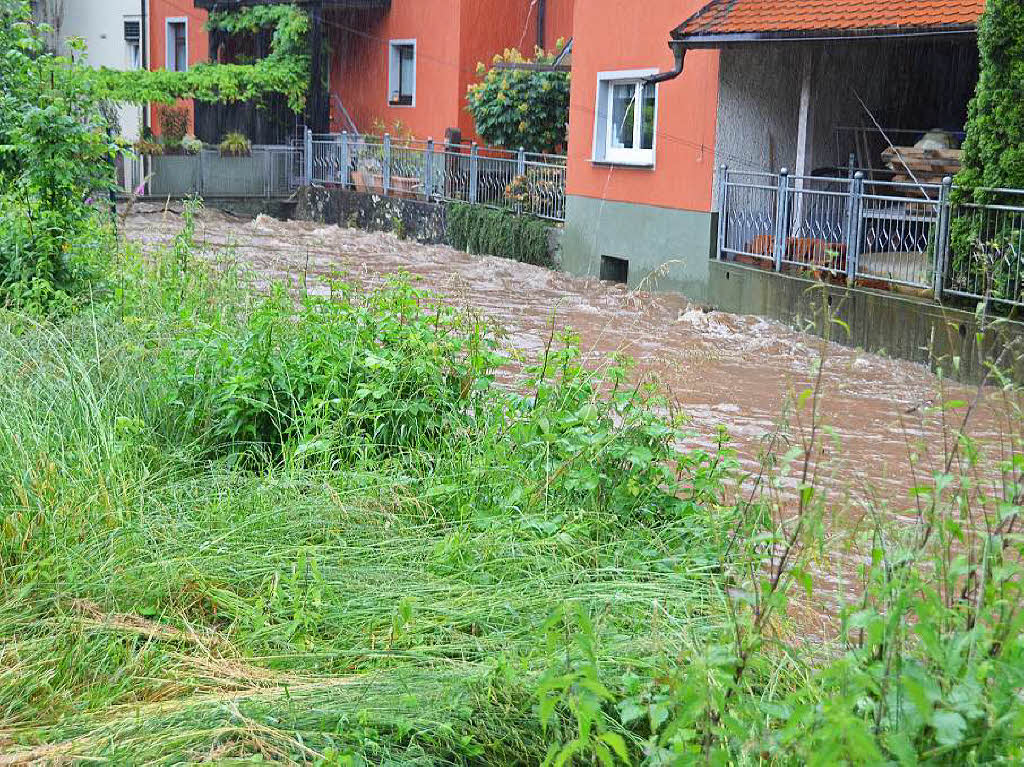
(317, 530)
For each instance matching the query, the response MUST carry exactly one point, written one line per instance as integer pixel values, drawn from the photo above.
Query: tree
(55, 154)
(521, 107)
(994, 147)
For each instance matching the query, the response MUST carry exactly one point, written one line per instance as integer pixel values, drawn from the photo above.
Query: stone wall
(425, 222)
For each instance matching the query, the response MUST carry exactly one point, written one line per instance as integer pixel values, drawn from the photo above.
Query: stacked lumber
(929, 166)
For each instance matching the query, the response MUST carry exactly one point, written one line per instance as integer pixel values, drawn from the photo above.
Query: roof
(737, 20)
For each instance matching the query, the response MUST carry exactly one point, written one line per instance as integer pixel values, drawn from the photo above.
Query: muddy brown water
(722, 369)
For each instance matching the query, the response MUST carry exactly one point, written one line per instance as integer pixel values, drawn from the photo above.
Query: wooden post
(804, 150)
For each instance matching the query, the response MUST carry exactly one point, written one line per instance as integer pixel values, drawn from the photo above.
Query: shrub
(993, 150)
(501, 233)
(174, 123)
(520, 108)
(376, 375)
(56, 154)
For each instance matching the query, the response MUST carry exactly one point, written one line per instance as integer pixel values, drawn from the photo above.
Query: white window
(402, 73)
(177, 45)
(626, 118)
(133, 42)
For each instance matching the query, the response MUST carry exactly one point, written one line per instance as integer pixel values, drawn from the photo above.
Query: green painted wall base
(905, 328)
(666, 249)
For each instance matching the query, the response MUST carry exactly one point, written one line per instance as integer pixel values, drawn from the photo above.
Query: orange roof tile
(842, 17)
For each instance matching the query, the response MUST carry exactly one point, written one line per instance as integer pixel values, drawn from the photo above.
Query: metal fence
(521, 181)
(268, 171)
(876, 233)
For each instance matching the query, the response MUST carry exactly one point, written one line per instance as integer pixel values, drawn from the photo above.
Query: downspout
(680, 53)
(144, 33)
(542, 8)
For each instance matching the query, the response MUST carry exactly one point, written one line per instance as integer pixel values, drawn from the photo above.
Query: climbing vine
(285, 70)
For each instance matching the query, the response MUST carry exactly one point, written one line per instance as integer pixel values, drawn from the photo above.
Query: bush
(477, 229)
(174, 124)
(993, 153)
(375, 375)
(56, 156)
(519, 108)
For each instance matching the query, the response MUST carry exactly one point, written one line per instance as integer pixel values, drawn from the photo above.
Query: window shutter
(132, 31)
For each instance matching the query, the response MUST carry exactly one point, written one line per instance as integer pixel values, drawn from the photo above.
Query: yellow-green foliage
(521, 108)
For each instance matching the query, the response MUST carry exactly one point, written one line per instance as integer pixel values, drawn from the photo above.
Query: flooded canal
(729, 370)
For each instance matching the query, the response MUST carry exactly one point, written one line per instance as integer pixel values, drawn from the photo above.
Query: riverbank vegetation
(323, 525)
(315, 527)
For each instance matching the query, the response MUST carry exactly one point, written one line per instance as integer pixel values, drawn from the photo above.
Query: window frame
(169, 42)
(603, 151)
(395, 72)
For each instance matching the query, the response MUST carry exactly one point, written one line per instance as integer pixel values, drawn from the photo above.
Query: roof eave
(696, 41)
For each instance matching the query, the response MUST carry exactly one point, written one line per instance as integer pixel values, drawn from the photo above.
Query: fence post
(387, 163)
(428, 170)
(723, 208)
(198, 184)
(474, 171)
(346, 160)
(942, 237)
(309, 156)
(268, 173)
(781, 219)
(521, 162)
(854, 211)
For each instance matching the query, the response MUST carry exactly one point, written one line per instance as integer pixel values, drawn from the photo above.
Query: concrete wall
(100, 23)
(198, 43)
(667, 249)
(902, 327)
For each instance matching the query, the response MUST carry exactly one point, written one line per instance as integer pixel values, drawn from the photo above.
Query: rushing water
(723, 369)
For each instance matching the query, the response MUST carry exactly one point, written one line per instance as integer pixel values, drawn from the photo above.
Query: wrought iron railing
(876, 233)
(522, 181)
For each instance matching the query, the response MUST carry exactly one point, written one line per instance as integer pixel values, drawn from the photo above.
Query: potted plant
(235, 145)
(191, 145)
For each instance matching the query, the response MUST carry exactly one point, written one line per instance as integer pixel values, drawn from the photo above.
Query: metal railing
(267, 171)
(876, 233)
(522, 181)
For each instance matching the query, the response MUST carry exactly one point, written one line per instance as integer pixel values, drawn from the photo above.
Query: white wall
(759, 101)
(101, 24)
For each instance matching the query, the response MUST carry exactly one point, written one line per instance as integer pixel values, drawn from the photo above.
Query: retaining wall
(899, 326)
(425, 222)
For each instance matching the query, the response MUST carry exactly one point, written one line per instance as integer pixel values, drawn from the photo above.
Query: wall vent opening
(614, 269)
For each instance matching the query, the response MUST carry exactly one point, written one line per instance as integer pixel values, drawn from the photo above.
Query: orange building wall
(452, 37)
(612, 35)
(198, 42)
(558, 22)
(359, 68)
(488, 27)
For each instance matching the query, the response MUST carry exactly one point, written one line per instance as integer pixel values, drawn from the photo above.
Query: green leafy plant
(235, 145)
(502, 233)
(993, 155)
(521, 108)
(56, 155)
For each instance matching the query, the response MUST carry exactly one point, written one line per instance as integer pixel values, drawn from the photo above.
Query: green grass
(238, 526)
(172, 588)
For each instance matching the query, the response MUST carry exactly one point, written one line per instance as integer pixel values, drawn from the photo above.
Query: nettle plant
(521, 108)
